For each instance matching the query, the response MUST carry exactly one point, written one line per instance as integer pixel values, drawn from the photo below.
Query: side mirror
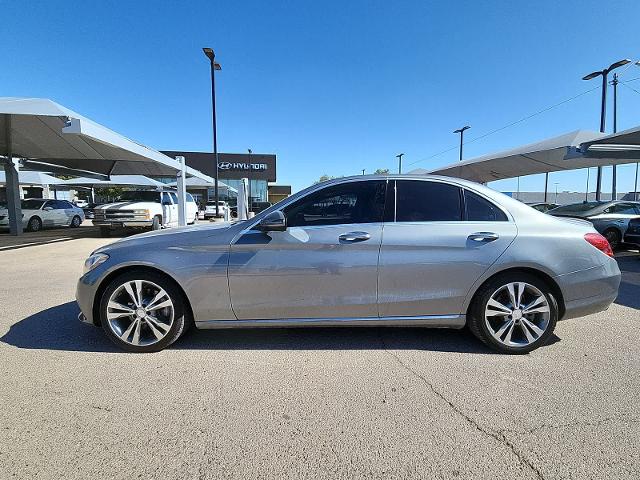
(274, 222)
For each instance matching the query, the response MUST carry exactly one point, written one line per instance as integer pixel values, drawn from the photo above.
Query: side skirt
(431, 321)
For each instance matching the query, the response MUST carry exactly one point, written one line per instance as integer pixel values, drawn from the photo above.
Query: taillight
(599, 242)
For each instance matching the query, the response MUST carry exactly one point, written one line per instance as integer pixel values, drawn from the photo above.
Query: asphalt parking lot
(315, 403)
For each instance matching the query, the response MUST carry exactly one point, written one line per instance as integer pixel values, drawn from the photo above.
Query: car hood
(175, 236)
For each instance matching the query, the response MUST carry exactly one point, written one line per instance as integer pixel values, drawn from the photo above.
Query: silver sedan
(368, 250)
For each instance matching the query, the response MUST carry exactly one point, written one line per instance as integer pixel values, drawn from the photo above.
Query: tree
(381, 171)
(324, 178)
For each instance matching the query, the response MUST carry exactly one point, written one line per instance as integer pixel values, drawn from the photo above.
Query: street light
(399, 157)
(214, 66)
(603, 109)
(461, 132)
(250, 152)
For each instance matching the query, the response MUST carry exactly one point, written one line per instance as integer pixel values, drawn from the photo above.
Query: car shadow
(629, 292)
(57, 328)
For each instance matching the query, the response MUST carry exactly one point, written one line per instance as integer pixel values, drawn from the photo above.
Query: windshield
(575, 208)
(31, 204)
(148, 196)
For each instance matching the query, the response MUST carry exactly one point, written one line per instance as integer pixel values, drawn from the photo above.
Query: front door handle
(483, 237)
(353, 237)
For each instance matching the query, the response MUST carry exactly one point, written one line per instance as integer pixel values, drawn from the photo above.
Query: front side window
(479, 209)
(174, 197)
(165, 199)
(424, 201)
(345, 203)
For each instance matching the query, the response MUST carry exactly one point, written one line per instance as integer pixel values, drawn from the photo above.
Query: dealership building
(259, 168)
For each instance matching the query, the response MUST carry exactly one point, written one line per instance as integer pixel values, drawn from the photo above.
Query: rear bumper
(589, 291)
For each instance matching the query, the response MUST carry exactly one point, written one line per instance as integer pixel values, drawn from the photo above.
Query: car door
(442, 239)
(167, 210)
(53, 213)
(175, 208)
(67, 210)
(323, 266)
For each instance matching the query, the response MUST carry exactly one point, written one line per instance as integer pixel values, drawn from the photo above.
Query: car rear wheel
(76, 221)
(613, 237)
(34, 224)
(513, 313)
(142, 312)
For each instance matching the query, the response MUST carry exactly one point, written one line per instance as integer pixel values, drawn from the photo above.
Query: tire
(34, 224)
(157, 223)
(105, 232)
(512, 333)
(123, 324)
(613, 236)
(75, 222)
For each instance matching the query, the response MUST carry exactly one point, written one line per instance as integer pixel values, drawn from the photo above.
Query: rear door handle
(483, 237)
(353, 237)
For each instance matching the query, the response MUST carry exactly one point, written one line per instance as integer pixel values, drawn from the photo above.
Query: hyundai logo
(224, 165)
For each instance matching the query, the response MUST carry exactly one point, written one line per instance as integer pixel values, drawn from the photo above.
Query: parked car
(632, 234)
(543, 206)
(454, 253)
(143, 209)
(38, 213)
(210, 209)
(81, 203)
(609, 218)
(88, 210)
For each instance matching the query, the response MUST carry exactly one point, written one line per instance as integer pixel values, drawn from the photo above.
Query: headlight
(144, 212)
(94, 260)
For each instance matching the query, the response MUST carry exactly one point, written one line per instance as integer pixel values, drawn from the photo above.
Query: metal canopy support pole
(182, 194)
(614, 173)
(546, 185)
(13, 184)
(586, 193)
(603, 108)
(635, 186)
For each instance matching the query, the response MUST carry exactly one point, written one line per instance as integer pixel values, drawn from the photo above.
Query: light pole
(614, 173)
(461, 132)
(603, 109)
(214, 66)
(249, 177)
(363, 171)
(399, 157)
(556, 200)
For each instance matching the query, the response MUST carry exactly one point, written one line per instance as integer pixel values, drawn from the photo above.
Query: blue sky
(329, 86)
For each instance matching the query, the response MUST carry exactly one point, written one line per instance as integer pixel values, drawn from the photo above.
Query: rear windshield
(576, 208)
(149, 196)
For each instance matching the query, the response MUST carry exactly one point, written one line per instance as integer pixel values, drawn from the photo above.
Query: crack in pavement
(499, 435)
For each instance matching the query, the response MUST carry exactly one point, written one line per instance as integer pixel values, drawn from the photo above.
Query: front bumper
(590, 291)
(123, 223)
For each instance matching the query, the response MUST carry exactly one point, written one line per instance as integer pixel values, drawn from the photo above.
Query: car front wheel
(513, 313)
(142, 311)
(34, 225)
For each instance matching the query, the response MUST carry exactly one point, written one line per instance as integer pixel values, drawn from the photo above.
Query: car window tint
(422, 201)
(190, 198)
(352, 202)
(174, 197)
(624, 208)
(479, 209)
(165, 199)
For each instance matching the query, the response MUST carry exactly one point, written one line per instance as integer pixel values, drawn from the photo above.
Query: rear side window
(174, 197)
(625, 209)
(479, 209)
(190, 198)
(423, 201)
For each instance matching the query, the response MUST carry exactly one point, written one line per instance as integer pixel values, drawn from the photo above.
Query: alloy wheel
(140, 312)
(517, 314)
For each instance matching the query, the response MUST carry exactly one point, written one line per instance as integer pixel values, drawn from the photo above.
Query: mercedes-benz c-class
(421, 251)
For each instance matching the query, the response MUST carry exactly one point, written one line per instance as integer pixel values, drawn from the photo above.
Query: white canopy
(574, 150)
(45, 132)
(33, 178)
(200, 183)
(116, 180)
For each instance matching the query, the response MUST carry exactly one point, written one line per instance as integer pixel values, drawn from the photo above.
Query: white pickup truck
(143, 209)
